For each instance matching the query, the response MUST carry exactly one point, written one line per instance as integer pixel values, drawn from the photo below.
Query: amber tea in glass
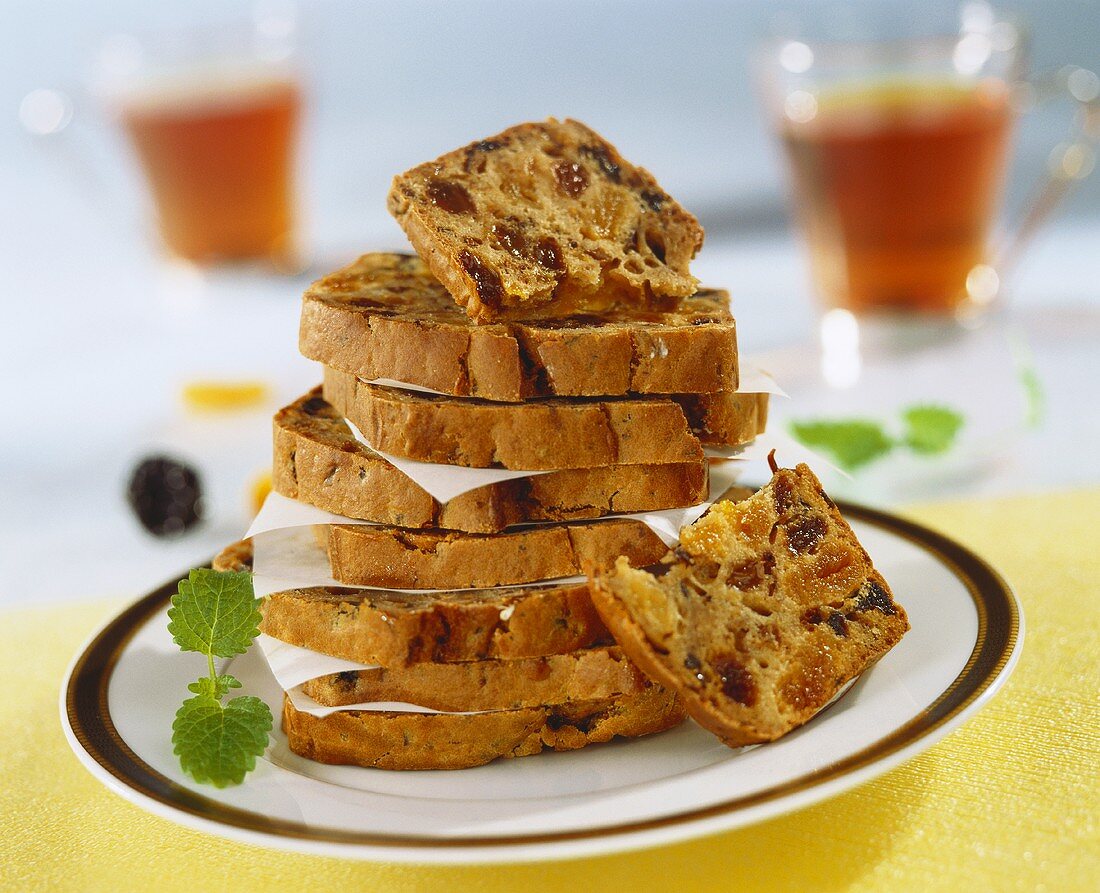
(897, 186)
(211, 112)
(219, 163)
(898, 153)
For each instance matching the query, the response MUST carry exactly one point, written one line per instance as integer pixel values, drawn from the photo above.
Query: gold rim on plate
(89, 716)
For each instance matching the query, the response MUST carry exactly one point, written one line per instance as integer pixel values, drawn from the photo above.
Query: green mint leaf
(214, 613)
(931, 429)
(852, 443)
(215, 687)
(219, 744)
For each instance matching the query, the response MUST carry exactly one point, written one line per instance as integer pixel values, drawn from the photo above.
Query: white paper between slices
(444, 482)
(727, 466)
(750, 380)
(291, 558)
(293, 666)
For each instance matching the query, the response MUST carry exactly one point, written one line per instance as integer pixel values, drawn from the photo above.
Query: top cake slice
(546, 220)
(761, 615)
(387, 316)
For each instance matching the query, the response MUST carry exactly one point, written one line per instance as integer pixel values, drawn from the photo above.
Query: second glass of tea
(898, 153)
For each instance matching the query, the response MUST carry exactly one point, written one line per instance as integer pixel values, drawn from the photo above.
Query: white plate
(120, 696)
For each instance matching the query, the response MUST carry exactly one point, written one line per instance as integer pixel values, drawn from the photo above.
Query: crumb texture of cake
(387, 316)
(546, 219)
(586, 674)
(551, 433)
(318, 461)
(365, 555)
(395, 629)
(767, 607)
(391, 740)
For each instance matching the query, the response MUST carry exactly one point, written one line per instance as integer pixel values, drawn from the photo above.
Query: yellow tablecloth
(1009, 802)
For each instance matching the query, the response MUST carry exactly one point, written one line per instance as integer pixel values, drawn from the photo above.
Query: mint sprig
(928, 430)
(215, 613)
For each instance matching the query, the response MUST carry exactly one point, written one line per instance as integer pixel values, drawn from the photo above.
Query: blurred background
(103, 331)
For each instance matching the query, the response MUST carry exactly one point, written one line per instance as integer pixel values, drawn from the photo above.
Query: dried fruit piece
(224, 395)
(450, 197)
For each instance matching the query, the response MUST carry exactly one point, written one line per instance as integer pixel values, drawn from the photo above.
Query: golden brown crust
(386, 316)
(583, 675)
(395, 629)
(724, 418)
(765, 610)
(545, 219)
(540, 434)
(362, 555)
(318, 461)
(458, 741)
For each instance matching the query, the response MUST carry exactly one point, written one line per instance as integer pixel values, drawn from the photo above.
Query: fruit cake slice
(767, 607)
(550, 433)
(317, 460)
(365, 555)
(586, 674)
(546, 219)
(387, 316)
(394, 629)
(393, 740)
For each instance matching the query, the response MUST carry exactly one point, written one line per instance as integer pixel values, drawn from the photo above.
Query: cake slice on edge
(760, 616)
(546, 219)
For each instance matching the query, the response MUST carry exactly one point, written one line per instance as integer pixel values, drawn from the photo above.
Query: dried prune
(166, 495)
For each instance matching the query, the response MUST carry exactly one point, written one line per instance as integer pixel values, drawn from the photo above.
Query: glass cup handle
(56, 120)
(1069, 162)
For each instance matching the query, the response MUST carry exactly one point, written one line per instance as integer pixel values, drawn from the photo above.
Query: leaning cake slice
(544, 220)
(760, 616)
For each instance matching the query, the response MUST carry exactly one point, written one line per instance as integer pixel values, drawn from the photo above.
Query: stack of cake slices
(533, 394)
